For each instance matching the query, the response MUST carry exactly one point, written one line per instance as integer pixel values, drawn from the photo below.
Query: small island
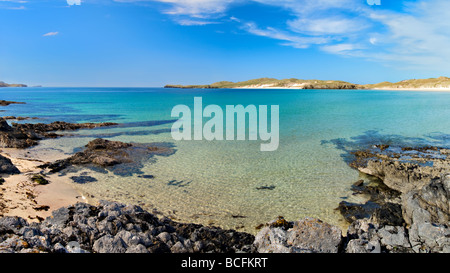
(431, 84)
(4, 84)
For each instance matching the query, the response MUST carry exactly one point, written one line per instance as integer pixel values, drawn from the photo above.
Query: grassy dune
(432, 83)
(441, 82)
(274, 83)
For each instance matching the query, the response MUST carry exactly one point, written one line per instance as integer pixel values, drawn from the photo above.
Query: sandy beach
(20, 196)
(300, 87)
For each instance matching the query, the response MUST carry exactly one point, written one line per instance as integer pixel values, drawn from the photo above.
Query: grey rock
(394, 237)
(137, 249)
(129, 238)
(7, 167)
(308, 235)
(428, 237)
(198, 246)
(429, 204)
(271, 240)
(59, 248)
(28, 232)
(74, 247)
(178, 247)
(112, 227)
(12, 224)
(357, 246)
(109, 244)
(58, 219)
(164, 237)
(315, 235)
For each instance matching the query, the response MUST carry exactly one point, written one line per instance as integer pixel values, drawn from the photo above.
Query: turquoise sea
(232, 183)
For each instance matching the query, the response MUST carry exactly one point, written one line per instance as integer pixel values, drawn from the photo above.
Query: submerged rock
(382, 207)
(83, 179)
(405, 168)
(26, 135)
(121, 158)
(6, 102)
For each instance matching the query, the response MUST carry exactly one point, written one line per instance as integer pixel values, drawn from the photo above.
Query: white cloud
(342, 49)
(324, 26)
(191, 22)
(13, 4)
(418, 35)
(74, 2)
(195, 8)
(51, 34)
(293, 40)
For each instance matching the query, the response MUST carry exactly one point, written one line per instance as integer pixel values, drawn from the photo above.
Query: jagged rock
(26, 135)
(401, 176)
(422, 176)
(428, 237)
(12, 224)
(109, 244)
(394, 238)
(7, 167)
(427, 213)
(403, 168)
(365, 237)
(273, 240)
(308, 235)
(112, 227)
(429, 204)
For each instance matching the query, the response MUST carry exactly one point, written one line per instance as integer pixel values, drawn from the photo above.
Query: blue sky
(157, 42)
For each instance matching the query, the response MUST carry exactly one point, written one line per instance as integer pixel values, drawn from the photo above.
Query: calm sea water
(217, 182)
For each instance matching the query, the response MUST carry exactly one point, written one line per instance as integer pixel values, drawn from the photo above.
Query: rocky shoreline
(412, 219)
(407, 209)
(115, 228)
(25, 135)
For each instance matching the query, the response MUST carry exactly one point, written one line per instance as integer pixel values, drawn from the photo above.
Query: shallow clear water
(216, 182)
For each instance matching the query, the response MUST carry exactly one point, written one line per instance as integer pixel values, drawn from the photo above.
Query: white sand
(19, 196)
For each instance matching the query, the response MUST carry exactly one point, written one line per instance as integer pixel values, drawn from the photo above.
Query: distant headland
(4, 84)
(441, 83)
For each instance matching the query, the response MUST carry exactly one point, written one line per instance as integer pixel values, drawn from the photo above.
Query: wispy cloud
(289, 39)
(194, 8)
(54, 33)
(417, 35)
(13, 4)
(192, 22)
(73, 2)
